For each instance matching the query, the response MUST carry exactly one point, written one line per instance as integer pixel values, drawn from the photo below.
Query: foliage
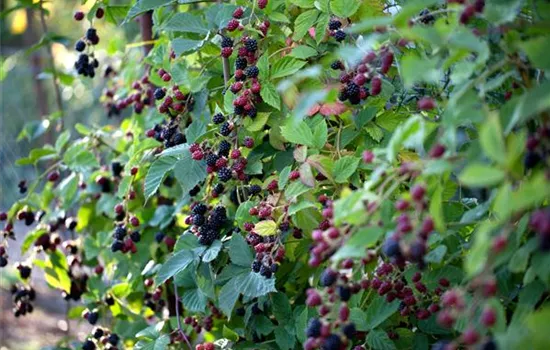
(287, 174)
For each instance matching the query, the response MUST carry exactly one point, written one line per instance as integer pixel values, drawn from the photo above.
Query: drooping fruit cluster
(78, 277)
(153, 297)
(101, 338)
(207, 225)
(22, 297)
(335, 29)
(86, 62)
(140, 96)
(225, 163)
(413, 227)
(354, 79)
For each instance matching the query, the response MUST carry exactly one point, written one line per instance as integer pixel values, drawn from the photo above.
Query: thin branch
(225, 62)
(180, 328)
(57, 90)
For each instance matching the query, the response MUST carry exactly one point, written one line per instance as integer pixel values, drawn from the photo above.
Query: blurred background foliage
(27, 98)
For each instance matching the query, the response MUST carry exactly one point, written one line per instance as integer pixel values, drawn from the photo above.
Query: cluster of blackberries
(227, 46)
(207, 226)
(124, 241)
(22, 297)
(320, 335)
(402, 245)
(540, 223)
(326, 237)
(22, 185)
(223, 162)
(101, 338)
(268, 251)
(92, 316)
(335, 29)
(174, 102)
(140, 96)
(26, 215)
(153, 299)
(78, 285)
(3, 256)
(24, 270)
(86, 63)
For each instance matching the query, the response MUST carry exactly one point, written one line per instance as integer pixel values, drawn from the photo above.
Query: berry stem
(180, 329)
(58, 99)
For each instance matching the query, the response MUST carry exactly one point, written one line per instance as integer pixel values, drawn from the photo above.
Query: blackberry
(219, 188)
(256, 266)
(200, 209)
(354, 100)
(274, 268)
(344, 293)
(238, 110)
(116, 168)
(352, 89)
(3, 261)
(211, 159)
(224, 148)
(95, 63)
(251, 45)
(349, 330)
(334, 24)
(340, 35)
(116, 246)
(120, 232)
(198, 220)
(218, 216)
(254, 190)
(194, 191)
(240, 311)
(179, 138)
(91, 34)
(240, 63)
(266, 271)
(109, 300)
(88, 345)
(80, 46)
(531, 159)
(336, 65)
(224, 174)
(135, 236)
(227, 42)
(113, 339)
(225, 129)
(218, 118)
(252, 113)
(159, 236)
(208, 237)
(98, 333)
(390, 248)
(343, 95)
(25, 272)
(252, 72)
(159, 93)
(332, 342)
(313, 329)
(92, 317)
(489, 345)
(328, 277)
(256, 309)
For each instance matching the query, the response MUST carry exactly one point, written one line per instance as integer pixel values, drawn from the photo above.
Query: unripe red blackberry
(426, 104)
(262, 4)
(53, 176)
(294, 175)
(488, 317)
(417, 192)
(99, 13)
(226, 52)
(376, 86)
(343, 313)
(238, 13)
(248, 142)
(470, 336)
(445, 319)
(499, 243)
(437, 151)
(78, 16)
(197, 155)
(166, 77)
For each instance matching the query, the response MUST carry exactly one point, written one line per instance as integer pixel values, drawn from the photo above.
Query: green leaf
(481, 175)
(410, 135)
(285, 66)
(492, 141)
(501, 11)
(229, 334)
(228, 296)
(344, 8)
(156, 174)
(355, 246)
(298, 133)
(284, 340)
(416, 69)
(295, 189)
(266, 228)
(239, 251)
(477, 256)
(379, 340)
(344, 168)
(142, 6)
(303, 22)
(185, 22)
(189, 172)
(194, 131)
(212, 252)
(534, 48)
(303, 52)
(257, 123)
(320, 134)
(175, 264)
(30, 238)
(269, 95)
(184, 46)
(254, 285)
(62, 140)
(520, 110)
(300, 205)
(378, 311)
(194, 300)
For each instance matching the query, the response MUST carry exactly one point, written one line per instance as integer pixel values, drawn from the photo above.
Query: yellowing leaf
(266, 228)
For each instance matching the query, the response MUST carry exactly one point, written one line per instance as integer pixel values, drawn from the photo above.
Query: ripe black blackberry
(224, 148)
(349, 330)
(218, 118)
(109, 300)
(116, 246)
(24, 271)
(159, 93)
(194, 191)
(198, 219)
(91, 35)
(120, 232)
(332, 342)
(113, 339)
(328, 277)
(352, 89)
(238, 110)
(344, 293)
(224, 174)
(159, 236)
(343, 95)
(80, 46)
(334, 24)
(135, 236)
(354, 100)
(217, 218)
(3, 261)
(208, 237)
(227, 42)
(266, 271)
(256, 266)
(252, 112)
(179, 138)
(219, 188)
(337, 65)
(251, 45)
(313, 329)
(98, 333)
(92, 317)
(88, 345)
(252, 72)
(200, 209)
(225, 129)
(211, 159)
(240, 63)
(116, 168)
(340, 35)
(254, 190)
